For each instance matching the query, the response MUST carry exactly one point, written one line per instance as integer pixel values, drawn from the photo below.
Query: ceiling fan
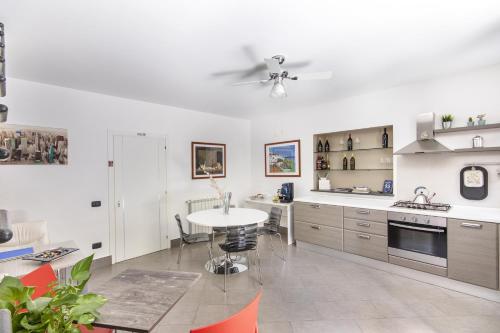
(278, 75)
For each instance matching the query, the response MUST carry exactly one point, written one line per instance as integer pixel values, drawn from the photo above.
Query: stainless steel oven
(418, 237)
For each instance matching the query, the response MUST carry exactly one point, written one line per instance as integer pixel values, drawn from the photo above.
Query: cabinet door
(473, 252)
(328, 215)
(318, 234)
(366, 214)
(366, 245)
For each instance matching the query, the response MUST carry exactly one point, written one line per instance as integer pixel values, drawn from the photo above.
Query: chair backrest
(274, 219)
(241, 238)
(244, 321)
(179, 225)
(27, 234)
(5, 321)
(41, 278)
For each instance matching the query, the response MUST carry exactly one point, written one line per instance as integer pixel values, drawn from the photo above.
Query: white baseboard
(444, 282)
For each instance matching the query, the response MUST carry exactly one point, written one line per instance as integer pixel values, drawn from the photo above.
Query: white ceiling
(167, 52)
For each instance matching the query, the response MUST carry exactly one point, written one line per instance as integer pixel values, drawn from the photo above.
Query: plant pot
(470, 124)
(446, 124)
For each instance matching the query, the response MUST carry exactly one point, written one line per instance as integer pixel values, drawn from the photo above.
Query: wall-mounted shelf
(374, 169)
(345, 150)
(476, 150)
(467, 128)
(343, 192)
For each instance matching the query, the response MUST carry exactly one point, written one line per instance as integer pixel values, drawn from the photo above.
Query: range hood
(425, 144)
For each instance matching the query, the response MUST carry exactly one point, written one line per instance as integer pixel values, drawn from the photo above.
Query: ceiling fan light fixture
(278, 90)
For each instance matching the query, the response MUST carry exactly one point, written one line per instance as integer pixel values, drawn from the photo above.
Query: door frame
(164, 228)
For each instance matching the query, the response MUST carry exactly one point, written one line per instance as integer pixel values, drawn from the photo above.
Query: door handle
(315, 227)
(363, 211)
(416, 228)
(363, 224)
(471, 225)
(363, 236)
(118, 204)
(315, 206)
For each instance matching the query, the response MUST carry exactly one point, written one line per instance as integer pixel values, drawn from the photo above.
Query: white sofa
(27, 234)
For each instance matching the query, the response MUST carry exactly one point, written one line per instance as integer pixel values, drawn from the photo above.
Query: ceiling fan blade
(313, 76)
(251, 82)
(273, 65)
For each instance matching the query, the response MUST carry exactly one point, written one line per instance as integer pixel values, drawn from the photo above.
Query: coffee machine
(286, 192)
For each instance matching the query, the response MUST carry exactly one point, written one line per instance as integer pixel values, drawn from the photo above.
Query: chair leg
(210, 255)
(179, 257)
(258, 263)
(271, 242)
(225, 270)
(282, 248)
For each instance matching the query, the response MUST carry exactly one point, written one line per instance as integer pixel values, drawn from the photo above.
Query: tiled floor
(313, 293)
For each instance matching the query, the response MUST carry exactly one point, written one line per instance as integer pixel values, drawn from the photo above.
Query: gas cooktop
(430, 206)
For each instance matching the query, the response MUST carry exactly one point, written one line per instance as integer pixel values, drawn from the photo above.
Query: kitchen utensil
(421, 195)
(477, 142)
(474, 183)
(50, 255)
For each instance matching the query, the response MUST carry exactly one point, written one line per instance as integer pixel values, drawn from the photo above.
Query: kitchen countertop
(268, 201)
(459, 212)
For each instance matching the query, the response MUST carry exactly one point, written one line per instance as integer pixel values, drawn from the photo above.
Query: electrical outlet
(97, 245)
(95, 204)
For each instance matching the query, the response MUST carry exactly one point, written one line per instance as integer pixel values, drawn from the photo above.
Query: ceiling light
(278, 90)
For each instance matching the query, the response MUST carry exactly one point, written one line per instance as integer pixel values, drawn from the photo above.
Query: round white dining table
(215, 218)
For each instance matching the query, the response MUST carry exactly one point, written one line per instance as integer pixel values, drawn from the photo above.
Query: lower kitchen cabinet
(318, 234)
(473, 252)
(366, 245)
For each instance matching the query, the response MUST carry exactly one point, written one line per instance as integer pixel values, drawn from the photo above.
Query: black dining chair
(240, 239)
(219, 230)
(272, 228)
(185, 238)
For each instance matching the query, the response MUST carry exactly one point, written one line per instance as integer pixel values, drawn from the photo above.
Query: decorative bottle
(344, 162)
(320, 146)
(385, 139)
(352, 162)
(349, 143)
(327, 145)
(318, 163)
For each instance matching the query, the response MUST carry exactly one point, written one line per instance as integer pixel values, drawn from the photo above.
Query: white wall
(62, 194)
(462, 95)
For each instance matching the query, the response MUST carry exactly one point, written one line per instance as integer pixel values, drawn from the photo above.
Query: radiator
(201, 204)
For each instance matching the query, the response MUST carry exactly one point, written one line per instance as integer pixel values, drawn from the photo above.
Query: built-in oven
(418, 237)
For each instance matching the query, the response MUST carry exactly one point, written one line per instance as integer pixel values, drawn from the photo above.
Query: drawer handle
(364, 236)
(471, 225)
(363, 211)
(315, 206)
(363, 224)
(315, 227)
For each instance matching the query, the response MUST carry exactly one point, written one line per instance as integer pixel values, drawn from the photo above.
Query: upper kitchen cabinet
(473, 252)
(356, 161)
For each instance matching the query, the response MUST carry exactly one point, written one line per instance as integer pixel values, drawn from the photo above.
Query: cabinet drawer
(318, 234)
(366, 245)
(318, 214)
(473, 252)
(366, 214)
(370, 227)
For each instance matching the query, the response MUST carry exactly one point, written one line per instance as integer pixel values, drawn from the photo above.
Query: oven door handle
(416, 228)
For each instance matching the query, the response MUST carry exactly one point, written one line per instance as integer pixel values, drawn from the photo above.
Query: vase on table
(226, 202)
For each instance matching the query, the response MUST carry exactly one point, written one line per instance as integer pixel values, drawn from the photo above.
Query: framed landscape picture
(282, 159)
(208, 158)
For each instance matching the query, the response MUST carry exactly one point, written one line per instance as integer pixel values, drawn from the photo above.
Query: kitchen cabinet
(318, 234)
(473, 252)
(328, 215)
(366, 245)
(370, 227)
(366, 214)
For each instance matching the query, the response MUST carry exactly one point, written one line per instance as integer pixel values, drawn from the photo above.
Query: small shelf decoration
(446, 121)
(480, 119)
(282, 159)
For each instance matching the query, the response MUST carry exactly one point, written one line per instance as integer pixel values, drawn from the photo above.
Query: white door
(139, 192)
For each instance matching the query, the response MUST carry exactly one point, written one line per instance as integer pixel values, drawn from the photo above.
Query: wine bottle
(318, 163)
(320, 146)
(349, 143)
(344, 163)
(327, 145)
(352, 162)
(385, 139)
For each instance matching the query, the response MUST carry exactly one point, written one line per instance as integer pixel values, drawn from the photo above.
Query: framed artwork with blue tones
(282, 159)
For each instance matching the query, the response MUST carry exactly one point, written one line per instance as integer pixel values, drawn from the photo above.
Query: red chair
(244, 321)
(42, 278)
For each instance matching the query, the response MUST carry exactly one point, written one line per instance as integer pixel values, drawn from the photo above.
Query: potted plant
(59, 311)
(480, 119)
(470, 123)
(446, 121)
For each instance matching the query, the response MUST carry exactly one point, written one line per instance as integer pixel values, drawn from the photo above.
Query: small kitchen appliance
(286, 192)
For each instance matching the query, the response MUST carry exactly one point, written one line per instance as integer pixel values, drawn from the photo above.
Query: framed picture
(30, 145)
(282, 159)
(208, 158)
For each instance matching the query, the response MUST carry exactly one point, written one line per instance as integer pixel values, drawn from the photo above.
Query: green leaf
(86, 319)
(31, 327)
(81, 271)
(88, 303)
(8, 286)
(38, 305)
(66, 299)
